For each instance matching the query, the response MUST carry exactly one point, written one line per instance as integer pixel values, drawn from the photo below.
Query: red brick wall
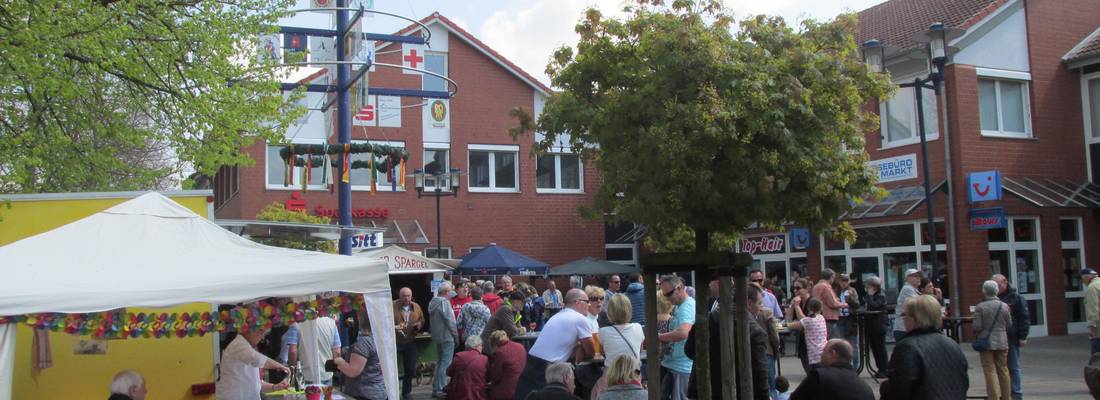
(543, 226)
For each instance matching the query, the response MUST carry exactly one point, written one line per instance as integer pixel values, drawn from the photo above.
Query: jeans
(674, 386)
(446, 352)
(407, 353)
(771, 378)
(995, 368)
(1014, 370)
(832, 327)
(852, 337)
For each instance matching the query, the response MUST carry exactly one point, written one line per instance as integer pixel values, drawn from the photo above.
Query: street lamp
(936, 39)
(453, 181)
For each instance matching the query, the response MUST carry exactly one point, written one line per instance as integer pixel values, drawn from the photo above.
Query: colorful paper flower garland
(116, 325)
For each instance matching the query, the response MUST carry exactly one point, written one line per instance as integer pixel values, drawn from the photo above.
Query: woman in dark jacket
(925, 364)
(877, 325)
(467, 372)
(508, 361)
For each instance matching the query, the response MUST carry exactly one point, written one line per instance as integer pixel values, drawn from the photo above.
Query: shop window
(437, 63)
(895, 265)
(941, 233)
(437, 160)
(941, 268)
(1004, 107)
(1035, 311)
(433, 252)
(998, 263)
(493, 168)
(836, 263)
(1071, 269)
(1069, 230)
(899, 121)
(1075, 310)
(1027, 271)
(619, 253)
(1023, 230)
(884, 236)
(997, 235)
(863, 268)
(384, 175)
(1094, 107)
(832, 243)
(276, 171)
(561, 173)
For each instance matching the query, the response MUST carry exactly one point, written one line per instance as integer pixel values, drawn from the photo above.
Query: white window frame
(1012, 246)
(446, 249)
(998, 76)
(1085, 110)
(493, 149)
(474, 248)
(1079, 245)
(380, 187)
(557, 189)
(445, 67)
(932, 128)
(446, 169)
(297, 171)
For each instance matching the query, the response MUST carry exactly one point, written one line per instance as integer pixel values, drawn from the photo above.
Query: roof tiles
(896, 22)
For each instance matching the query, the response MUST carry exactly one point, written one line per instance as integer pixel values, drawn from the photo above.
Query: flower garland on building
(122, 325)
(385, 159)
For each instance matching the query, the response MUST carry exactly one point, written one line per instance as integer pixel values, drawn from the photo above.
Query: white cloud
(527, 32)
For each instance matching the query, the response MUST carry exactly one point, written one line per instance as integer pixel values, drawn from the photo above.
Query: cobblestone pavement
(1052, 369)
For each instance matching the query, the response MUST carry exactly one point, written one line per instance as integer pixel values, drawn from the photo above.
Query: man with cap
(1092, 307)
(912, 276)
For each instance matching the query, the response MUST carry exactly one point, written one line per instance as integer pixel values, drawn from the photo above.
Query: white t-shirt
(560, 335)
(240, 371)
(316, 339)
(614, 344)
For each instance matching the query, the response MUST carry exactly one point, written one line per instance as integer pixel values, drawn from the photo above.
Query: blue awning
(497, 260)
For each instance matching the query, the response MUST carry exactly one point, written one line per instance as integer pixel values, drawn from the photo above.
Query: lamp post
(936, 39)
(453, 181)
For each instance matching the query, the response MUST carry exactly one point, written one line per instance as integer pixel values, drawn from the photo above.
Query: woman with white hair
(468, 372)
(128, 385)
(624, 378)
(992, 318)
(877, 324)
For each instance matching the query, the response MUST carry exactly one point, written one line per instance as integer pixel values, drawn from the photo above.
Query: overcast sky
(528, 31)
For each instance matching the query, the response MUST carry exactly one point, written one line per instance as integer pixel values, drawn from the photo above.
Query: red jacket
(458, 302)
(467, 372)
(509, 360)
(492, 301)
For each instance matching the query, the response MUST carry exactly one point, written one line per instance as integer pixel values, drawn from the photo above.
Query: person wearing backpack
(992, 318)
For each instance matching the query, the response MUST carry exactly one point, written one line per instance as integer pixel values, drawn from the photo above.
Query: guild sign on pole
(412, 56)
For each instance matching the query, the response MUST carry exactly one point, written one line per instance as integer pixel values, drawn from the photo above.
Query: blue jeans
(1014, 370)
(407, 354)
(771, 378)
(446, 352)
(851, 337)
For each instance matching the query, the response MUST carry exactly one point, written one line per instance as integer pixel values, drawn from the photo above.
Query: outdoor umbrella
(497, 260)
(590, 266)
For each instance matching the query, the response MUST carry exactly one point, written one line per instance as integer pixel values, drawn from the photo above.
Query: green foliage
(680, 238)
(89, 87)
(278, 213)
(691, 124)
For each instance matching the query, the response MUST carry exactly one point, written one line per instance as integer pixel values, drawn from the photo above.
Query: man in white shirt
(553, 299)
(239, 375)
(568, 334)
(912, 277)
(313, 342)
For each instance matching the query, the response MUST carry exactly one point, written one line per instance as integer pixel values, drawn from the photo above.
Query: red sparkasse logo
(297, 203)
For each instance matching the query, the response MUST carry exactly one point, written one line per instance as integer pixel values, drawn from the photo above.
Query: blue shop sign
(801, 239)
(983, 186)
(987, 218)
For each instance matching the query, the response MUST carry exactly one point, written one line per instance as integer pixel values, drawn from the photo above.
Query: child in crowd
(783, 386)
(813, 327)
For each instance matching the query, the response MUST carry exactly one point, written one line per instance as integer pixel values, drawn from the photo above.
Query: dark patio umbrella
(497, 260)
(590, 266)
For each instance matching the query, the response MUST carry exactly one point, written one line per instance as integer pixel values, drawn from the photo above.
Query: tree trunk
(702, 318)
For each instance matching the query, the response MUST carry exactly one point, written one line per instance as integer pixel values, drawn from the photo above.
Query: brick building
(1022, 98)
(508, 196)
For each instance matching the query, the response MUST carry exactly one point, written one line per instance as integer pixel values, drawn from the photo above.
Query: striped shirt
(816, 336)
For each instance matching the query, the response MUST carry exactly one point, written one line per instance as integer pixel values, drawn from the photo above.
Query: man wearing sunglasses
(567, 335)
(757, 276)
(675, 383)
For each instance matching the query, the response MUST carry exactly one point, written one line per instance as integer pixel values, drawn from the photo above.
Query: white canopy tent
(153, 252)
(402, 261)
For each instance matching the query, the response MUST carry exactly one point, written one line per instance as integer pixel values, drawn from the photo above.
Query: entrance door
(1015, 254)
(777, 272)
(862, 269)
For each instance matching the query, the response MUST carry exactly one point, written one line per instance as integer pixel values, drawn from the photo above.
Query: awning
(402, 232)
(496, 260)
(590, 266)
(1054, 193)
(901, 201)
(402, 261)
(267, 229)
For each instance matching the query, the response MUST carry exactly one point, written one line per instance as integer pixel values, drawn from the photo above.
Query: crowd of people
(506, 340)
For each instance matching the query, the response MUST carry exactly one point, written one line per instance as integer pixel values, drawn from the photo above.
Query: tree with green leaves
(697, 126)
(276, 212)
(118, 94)
(693, 123)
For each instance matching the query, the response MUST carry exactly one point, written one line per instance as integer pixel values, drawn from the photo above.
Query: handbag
(982, 343)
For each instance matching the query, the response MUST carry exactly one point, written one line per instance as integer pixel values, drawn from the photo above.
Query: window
(385, 175)
(884, 236)
(493, 168)
(276, 171)
(433, 252)
(1004, 107)
(561, 173)
(1073, 259)
(435, 62)
(437, 160)
(1093, 116)
(899, 118)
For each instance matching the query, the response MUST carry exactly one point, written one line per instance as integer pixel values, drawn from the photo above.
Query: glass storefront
(1015, 253)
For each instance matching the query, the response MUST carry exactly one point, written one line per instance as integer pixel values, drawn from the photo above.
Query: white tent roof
(402, 261)
(153, 252)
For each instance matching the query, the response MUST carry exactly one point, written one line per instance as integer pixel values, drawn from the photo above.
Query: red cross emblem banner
(412, 56)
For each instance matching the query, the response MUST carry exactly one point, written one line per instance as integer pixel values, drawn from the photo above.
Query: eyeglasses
(670, 292)
(757, 280)
(595, 299)
(582, 300)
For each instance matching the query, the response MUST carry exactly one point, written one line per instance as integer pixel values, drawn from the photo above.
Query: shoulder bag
(982, 342)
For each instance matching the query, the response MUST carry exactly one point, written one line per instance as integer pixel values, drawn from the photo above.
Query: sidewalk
(1052, 369)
